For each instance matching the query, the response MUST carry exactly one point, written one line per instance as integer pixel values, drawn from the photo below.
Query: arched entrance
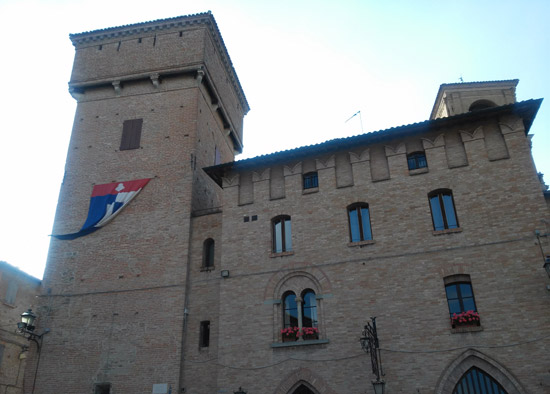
(474, 372)
(477, 381)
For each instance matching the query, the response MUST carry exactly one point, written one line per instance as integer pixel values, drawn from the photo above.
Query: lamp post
(370, 344)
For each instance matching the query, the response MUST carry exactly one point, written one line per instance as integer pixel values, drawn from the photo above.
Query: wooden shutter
(131, 134)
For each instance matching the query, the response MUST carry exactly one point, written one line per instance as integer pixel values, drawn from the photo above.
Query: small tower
(458, 98)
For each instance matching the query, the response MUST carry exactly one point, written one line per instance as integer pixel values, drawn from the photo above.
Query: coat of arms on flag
(106, 202)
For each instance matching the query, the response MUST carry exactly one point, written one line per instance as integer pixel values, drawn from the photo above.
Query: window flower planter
(465, 319)
(310, 333)
(290, 334)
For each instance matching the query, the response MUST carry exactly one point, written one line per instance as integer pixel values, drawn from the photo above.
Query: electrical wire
(213, 360)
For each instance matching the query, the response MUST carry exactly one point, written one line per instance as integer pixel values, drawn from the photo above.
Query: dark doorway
(303, 390)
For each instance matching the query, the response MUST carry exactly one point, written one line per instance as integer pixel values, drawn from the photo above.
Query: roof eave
(527, 110)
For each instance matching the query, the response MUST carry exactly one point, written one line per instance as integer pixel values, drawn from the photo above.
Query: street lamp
(26, 327)
(546, 265)
(370, 344)
(27, 321)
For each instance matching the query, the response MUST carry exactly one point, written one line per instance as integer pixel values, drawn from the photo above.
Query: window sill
(281, 254)
(207, 269)
(447, 231)
(459, 330)
(310, 190)
(417, 171)
(362, 243)
(300, 343)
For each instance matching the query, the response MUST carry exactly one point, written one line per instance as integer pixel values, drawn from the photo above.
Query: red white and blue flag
(106, 202)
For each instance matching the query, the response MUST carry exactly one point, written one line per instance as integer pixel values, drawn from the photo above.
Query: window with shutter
(131, 134)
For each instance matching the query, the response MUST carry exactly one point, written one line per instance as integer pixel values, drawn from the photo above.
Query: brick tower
(157, 100)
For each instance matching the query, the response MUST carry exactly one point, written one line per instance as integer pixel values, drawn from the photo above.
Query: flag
(106, 202)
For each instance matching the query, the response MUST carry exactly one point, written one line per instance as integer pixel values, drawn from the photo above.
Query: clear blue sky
(305, 67)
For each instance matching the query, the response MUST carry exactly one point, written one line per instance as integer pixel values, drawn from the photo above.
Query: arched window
(417, 160)
(290, 309)
(208, 253)
(443, 209)
(477, 381)
(481, 104)
(300, 316)
(282, 234)
(359, 222)
(309, 309)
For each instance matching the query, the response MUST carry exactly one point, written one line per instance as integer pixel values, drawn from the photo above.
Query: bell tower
(458, 98)
(158, 100)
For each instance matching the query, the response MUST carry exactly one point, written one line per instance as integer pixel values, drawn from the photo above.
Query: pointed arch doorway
(302, 389)
(477, 381)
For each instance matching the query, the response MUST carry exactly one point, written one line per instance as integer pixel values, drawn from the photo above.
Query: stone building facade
(18, 292)
(189, 288)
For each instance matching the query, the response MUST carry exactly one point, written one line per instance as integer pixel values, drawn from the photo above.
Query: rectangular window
(311, 180)
(282, 234)
(204, 340)
(461, 302)
(417, 160)
(443, 210)
(359, 222)
(11, 293)
(1, 353)
(131, 134)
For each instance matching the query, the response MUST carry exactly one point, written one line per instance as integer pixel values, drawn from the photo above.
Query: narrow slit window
(208, 253)
(204, 340)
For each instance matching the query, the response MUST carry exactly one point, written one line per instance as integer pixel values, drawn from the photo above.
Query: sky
(305, 66)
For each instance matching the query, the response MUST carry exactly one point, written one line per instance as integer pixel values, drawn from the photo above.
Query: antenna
(360, 119)
(461, 79)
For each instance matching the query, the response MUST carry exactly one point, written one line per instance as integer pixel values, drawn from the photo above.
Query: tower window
(481, 104)
(208, 253)
(131, 134)
(204, 340)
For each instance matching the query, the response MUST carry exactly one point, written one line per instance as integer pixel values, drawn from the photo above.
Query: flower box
(310, 333)
(290, 334)
(465, 319)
